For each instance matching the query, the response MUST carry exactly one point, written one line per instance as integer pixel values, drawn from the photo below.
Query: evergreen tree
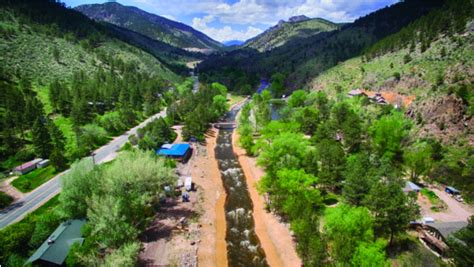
(41, 138)
(57, 158)
(391, 207)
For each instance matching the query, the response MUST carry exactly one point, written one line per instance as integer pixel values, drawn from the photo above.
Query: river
(243, 245)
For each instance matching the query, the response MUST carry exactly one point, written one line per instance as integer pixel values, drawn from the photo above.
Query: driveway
(33, 200)
(455, 211)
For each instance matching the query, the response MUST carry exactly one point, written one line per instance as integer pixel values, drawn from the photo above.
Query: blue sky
(225, 20)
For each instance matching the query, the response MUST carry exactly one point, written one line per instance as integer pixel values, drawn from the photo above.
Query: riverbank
(212, 249)
(274, 235)
(191, 233)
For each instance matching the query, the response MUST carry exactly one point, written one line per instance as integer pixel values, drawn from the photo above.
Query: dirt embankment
(212, 250)
(275, 236)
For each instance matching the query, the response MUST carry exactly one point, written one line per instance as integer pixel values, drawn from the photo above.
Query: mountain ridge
(285, 31)
(154, 26)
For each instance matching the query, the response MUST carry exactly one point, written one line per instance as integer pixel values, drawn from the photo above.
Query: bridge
(225, 125)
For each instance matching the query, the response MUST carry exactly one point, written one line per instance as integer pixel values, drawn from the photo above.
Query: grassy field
(436, 203)
(27, 182)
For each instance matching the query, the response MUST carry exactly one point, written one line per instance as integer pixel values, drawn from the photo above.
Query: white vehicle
(458, 198)
(428, 220)
(188, 183)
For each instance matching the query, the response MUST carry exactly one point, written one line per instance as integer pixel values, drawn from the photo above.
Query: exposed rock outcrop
(443, 118)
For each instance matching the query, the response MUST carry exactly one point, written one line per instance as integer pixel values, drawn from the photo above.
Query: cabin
(27, 167)
(180, 152)
(435, 234)
(411, 187)
(356, 92)
(54, 250)
(451, 190)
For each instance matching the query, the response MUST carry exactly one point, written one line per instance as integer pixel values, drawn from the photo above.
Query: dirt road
(455, 211)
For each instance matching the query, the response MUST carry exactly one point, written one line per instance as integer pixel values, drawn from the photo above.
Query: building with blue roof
(181, 152)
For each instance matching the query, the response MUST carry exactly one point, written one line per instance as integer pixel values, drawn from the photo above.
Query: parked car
(459, 198)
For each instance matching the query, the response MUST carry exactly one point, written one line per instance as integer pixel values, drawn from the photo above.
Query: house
(27, 167)
(411, 187)
(379, 99)
(388, 98)
(356, 92)
(42, 163)
(54, 251)
(435, 234)
(451, 190)
(181, 152)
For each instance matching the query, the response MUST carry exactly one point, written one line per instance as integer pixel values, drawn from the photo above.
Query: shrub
(112, 122)
(5, 200)
(92, 135)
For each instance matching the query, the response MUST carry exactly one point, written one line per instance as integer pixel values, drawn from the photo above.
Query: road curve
(33, 200)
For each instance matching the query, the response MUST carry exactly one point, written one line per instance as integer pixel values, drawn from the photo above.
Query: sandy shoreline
(275, 236)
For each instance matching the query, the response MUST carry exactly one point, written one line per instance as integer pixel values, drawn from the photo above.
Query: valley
(236, 133)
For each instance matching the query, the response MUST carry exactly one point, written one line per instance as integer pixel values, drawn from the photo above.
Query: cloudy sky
(225, 20)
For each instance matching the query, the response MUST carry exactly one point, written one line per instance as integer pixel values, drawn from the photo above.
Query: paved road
(40, 195)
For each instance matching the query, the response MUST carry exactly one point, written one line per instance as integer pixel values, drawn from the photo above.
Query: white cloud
(253, 14)
(225, 33)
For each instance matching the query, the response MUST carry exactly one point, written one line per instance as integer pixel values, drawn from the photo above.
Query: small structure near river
(180, 152)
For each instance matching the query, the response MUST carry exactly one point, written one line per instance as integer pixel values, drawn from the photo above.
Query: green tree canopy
(359, 178)
(297, 99)
(417, 159)
(346, 227)
(388, 134)
(371, 255)
(391, 207)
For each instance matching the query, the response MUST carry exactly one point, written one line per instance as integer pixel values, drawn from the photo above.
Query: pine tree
(41, 138)
(58, 160)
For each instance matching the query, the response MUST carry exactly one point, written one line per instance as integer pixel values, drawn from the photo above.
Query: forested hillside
(301, 60)
(68, 83)
(287, 31)
(431, 60)
(151, 25)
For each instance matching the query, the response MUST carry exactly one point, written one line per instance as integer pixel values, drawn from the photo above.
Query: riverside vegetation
(333, 164)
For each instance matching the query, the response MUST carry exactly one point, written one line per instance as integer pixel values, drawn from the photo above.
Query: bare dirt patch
(191, 233)
(455, 211)
(5, 186)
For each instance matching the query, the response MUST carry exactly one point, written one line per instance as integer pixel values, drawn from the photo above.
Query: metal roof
(56, 247)
(176, 150)
(447, 228)
(452, 189)
(28, 164)
(411, 187)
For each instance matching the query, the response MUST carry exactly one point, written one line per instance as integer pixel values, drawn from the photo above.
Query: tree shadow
(161, 229)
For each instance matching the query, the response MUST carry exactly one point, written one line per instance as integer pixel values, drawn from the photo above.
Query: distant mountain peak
(298, 18)
(296, 27)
